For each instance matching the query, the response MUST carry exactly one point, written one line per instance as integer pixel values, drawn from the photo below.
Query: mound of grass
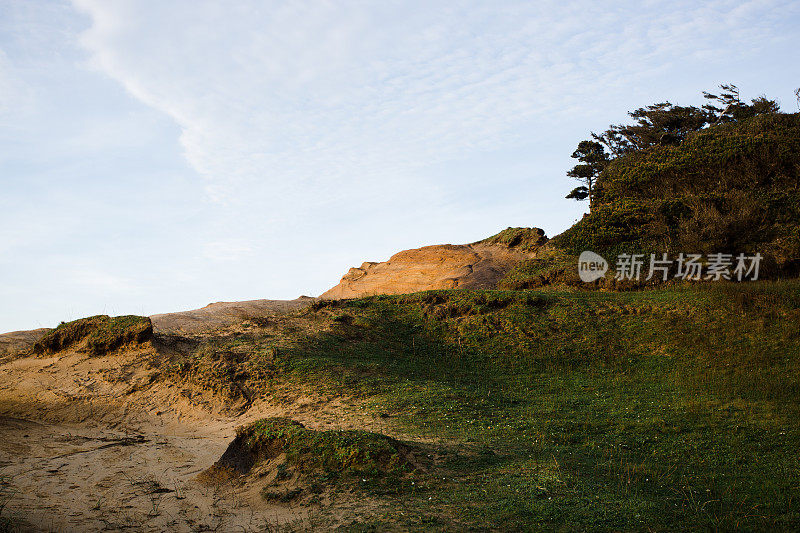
(67, 334)
(527, 239)
(347, 454)
(96, 335)
(311, 460)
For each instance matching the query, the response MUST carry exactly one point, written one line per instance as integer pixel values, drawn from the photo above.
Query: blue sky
(157, 156)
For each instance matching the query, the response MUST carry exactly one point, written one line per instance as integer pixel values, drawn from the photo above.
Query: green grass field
(658, 410)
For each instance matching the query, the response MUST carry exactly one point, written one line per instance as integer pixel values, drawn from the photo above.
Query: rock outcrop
(479, 265)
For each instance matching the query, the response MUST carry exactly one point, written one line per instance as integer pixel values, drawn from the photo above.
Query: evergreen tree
(593, 158)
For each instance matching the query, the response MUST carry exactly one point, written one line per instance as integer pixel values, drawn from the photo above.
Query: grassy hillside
(661, 410)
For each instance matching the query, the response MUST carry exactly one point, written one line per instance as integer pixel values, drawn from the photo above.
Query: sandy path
(81, 478)
(68, 478)
(87, 445)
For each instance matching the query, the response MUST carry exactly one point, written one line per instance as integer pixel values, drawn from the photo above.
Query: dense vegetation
(719, 179)
(662, 124)
(731, 188)
(720, 174)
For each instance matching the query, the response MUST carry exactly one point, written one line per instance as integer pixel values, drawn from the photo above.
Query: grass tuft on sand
(96, 335)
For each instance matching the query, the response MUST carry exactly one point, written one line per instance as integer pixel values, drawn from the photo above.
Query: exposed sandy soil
(83, 478)
(102, 443)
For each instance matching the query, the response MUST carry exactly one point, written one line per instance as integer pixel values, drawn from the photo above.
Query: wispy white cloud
(352, 97)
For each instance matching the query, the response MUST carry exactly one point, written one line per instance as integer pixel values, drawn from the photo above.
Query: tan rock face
(445, 266)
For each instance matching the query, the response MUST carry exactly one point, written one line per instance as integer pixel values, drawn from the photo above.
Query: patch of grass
(353, 454)
(96, 335)
(550, 267)
(284, 496)
(235, 367)
(115, 332)
(526, 239)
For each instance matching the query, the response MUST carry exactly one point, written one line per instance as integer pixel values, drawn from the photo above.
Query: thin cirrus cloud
(293, 95)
